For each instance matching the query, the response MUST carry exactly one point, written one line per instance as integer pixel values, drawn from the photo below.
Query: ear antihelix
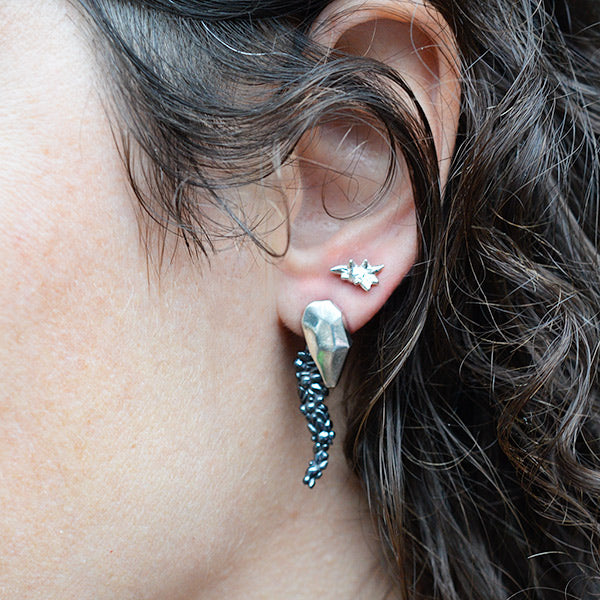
(318, 368)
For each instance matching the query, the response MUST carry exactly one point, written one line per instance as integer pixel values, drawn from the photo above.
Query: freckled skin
(151, 445)
(115, 385)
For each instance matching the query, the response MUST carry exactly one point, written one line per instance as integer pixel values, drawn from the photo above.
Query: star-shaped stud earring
(363, 275)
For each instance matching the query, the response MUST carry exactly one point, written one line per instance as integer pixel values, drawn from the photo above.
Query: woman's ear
(342, 165)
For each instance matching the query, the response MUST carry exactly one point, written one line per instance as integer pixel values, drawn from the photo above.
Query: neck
(322, 544)
(307, 543)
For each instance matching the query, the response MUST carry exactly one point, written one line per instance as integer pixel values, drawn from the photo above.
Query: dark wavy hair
(477, 430)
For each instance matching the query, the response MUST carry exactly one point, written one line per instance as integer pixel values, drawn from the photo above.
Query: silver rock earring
(318, 368)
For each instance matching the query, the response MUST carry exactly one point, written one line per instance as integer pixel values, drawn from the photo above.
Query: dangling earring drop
(318, 368)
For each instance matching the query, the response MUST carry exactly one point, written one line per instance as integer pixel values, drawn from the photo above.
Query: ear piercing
(318, 368)
(363, 275)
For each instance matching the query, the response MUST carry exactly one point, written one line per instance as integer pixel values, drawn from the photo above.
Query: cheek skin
(132, 420)
(118, 393)
(70, 274)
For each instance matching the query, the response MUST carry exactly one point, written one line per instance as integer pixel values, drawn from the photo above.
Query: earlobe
(341, 218)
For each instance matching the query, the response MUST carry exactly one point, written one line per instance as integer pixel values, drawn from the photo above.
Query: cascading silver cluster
(312, 392)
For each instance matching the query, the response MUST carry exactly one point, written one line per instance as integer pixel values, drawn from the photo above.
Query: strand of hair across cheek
(215, 10)
(226, 105)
